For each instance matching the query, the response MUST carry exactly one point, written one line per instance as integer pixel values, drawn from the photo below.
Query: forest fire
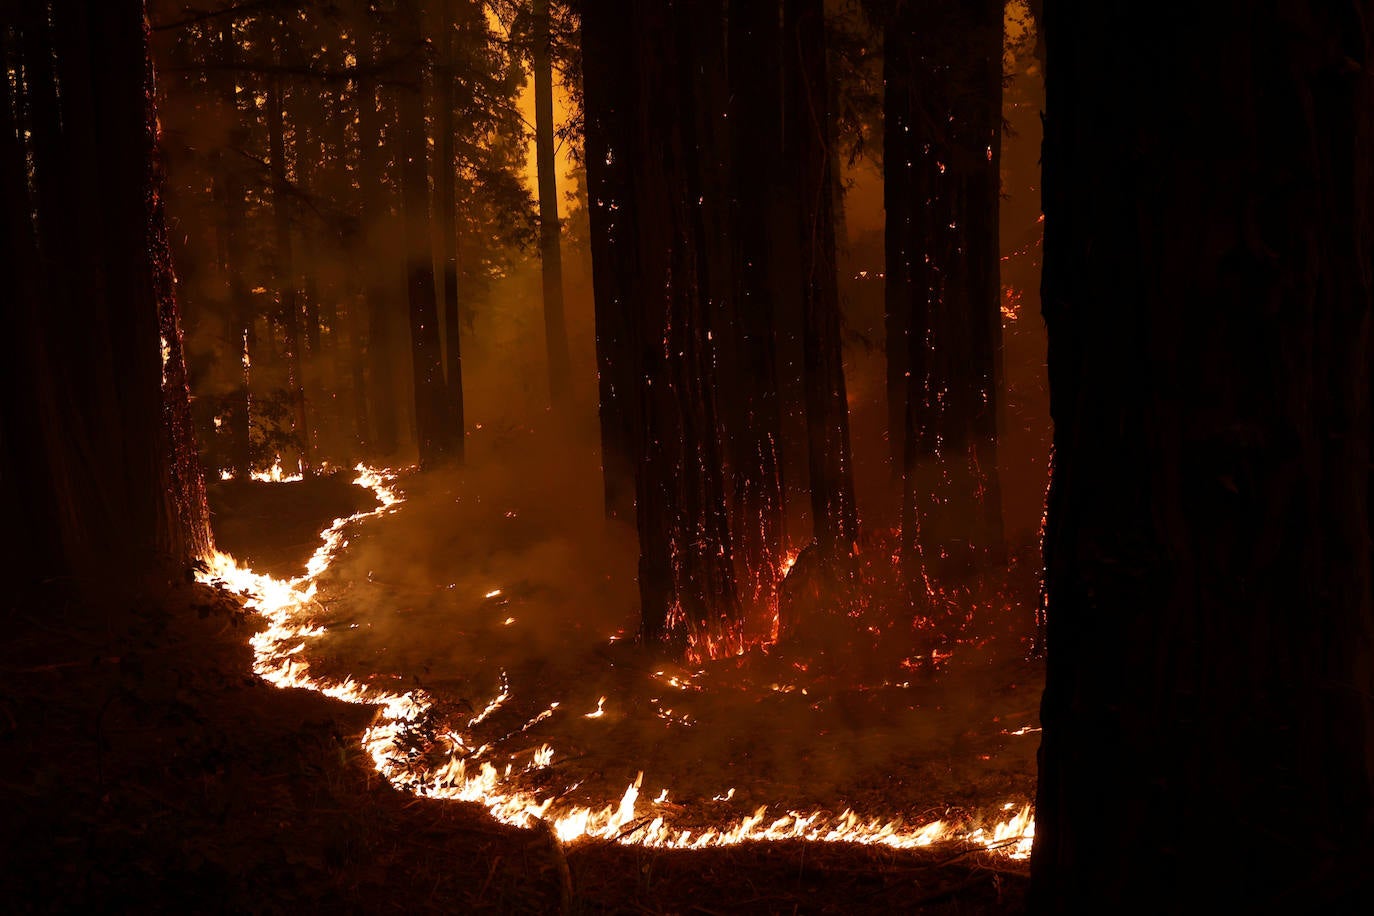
(281, 652)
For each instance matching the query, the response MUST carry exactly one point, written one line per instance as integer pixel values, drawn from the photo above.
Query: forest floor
(146, 768)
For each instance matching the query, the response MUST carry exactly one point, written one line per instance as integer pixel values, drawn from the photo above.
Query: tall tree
(433, 431)
(686, 574)
(1207, 296)
(810, 155)
(942, 156)
(238, 324)
(289, 301)
(96, 330)
(751, 415)
(550, 229)
(446, 205)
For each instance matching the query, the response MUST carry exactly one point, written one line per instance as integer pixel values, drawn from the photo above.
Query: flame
(286, 606)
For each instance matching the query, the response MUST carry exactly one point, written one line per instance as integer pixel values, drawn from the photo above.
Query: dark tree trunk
(432, 430)
(610, 107)
(686, 575)
(238, 323)
(750, 412)
(899, 149)
(383, 401)
(942, 161)
(286, 268)
(1207, 295)
(810, 154)
(550, 232)
(445, 190)
(107, 408)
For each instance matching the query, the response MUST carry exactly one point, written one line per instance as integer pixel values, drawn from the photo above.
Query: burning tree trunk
(550, 254)
(1207, 296)
(686, 576)
(447, 205)
(96, 326)
(286, 268)
(751, 416)
(942, 157)
(609, 107)
(810, 153)
(432, 429)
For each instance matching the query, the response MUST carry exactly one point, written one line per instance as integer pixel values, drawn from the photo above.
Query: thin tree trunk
(610, 105)
(286, 273)
(239, 322)
(446, 193)
(811, 152)
(382, 398)
(550, 230)
(432, 430)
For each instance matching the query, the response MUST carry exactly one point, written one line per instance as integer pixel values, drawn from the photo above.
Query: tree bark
(382, 398)
(1207, 715)
(445, 190)
(942, 162)
(810, 152)
(238, 323)
(432, 430)
(750, 412)
(550, 229)
(609, 107)
(286, 267)
(108, 415)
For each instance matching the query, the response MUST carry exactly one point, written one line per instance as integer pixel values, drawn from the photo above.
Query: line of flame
(278, 658)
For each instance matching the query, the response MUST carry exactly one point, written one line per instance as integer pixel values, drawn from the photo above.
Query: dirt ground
(146, 769)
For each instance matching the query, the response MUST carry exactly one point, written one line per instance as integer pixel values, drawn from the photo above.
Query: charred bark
(686, 575)
(610, 105)
(750, 407)
(1207, 296)
(810, 154)
(433, 434)
(943, 105)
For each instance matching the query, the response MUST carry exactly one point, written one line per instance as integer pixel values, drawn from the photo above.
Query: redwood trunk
(1207, 715)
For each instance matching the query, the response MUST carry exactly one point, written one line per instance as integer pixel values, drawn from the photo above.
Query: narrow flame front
(286, 605)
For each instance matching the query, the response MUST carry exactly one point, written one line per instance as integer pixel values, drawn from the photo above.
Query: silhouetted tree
(1208, 724)
(97, 456)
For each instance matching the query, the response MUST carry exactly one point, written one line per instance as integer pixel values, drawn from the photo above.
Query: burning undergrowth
(492, 624)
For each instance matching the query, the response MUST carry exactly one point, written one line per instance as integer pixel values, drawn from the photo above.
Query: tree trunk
(944, 98)
(810, 152)
(1207, 296)
(445, 185)
(686, 575)
(382, 397)
(108, 410)
(610, 107)
(750, 412)
(433, 432)
(550, 231)
(238, 323)
(286, 268)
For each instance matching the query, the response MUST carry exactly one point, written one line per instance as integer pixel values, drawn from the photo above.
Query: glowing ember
(286, 607)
